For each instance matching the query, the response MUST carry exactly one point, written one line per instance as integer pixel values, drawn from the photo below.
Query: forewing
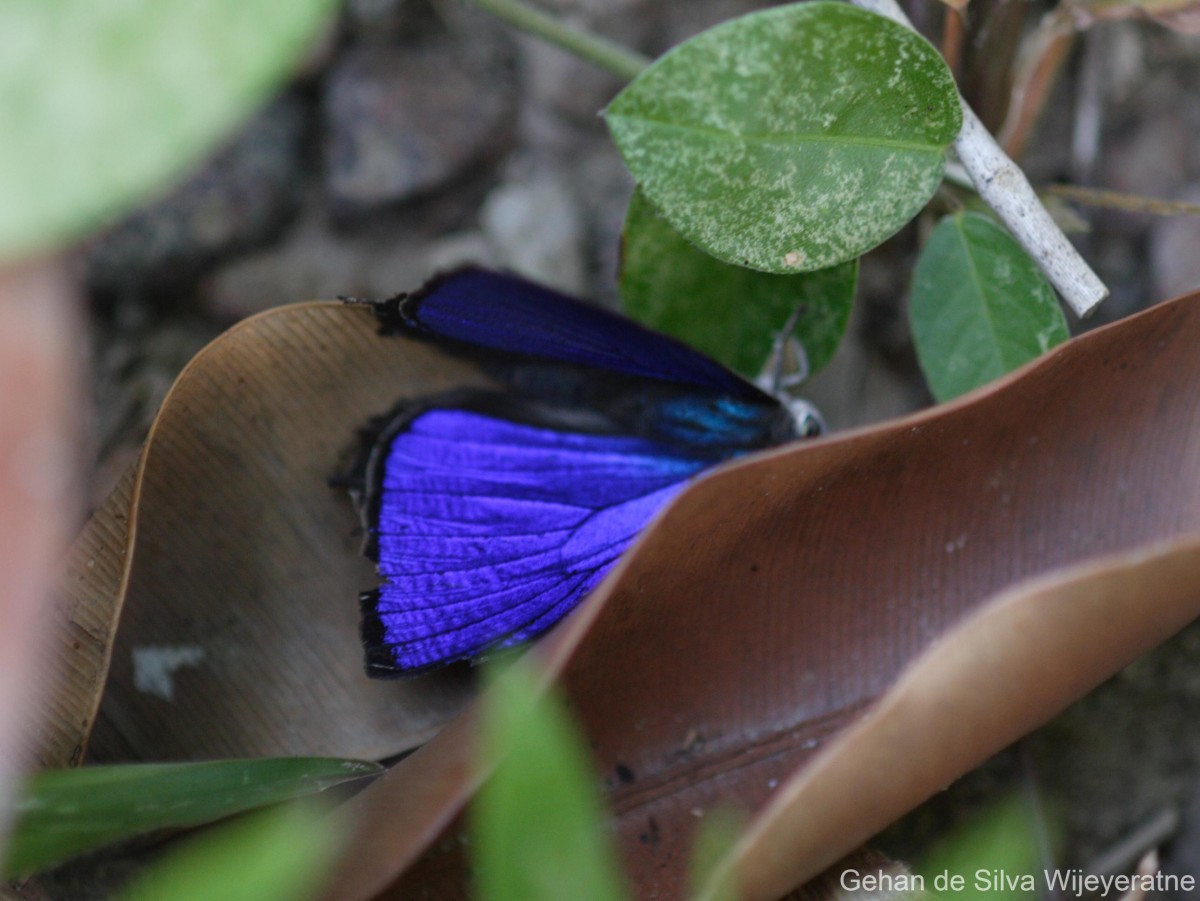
(488, 531)
(509, 314)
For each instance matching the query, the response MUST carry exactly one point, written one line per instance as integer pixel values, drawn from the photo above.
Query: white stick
(1004, 187)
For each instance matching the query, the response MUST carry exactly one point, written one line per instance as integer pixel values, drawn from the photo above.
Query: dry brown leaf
(779, 599)
(1002, 673)
(240, 563)
(88, 608)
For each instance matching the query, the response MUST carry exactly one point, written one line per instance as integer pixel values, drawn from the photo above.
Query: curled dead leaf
(233, 566)
(997, 676)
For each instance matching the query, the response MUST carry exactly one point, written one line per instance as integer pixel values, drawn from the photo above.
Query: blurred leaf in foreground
(539, 832)
(273, 855)
(714, 841)
(103, 102)
(66, 812)
(994, 857)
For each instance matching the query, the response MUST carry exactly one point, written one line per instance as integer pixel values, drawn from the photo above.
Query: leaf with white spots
(729, 312)
(790, 139)
(980, 307)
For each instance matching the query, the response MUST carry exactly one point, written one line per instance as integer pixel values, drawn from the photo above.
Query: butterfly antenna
(786, 349)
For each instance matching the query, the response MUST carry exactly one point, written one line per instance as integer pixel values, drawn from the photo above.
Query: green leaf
(980, 306)
(989, 859)
(66, 812)
(104, 102)
(790, 139)
(539, 832)
(730, 313)
(274, 855)
(711, 876)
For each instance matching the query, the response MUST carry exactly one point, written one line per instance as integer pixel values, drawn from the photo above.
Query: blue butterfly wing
(487, 530)
(491, 518)
(505, 313)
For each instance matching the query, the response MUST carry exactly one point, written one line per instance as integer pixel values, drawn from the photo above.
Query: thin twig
(1089, 104)
(1004, 187)
(1116, 200)
(1147, 867)
(1129, 850)
(606, 54)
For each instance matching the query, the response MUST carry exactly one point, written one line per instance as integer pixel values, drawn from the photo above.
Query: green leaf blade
(538, 828)
(728, 312)
(979, 307)
(279, 854)
(992, 856)
(791, 139)
(62, 813)
(102, 103)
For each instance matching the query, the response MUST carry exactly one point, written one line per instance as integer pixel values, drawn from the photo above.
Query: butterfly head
(806, 418)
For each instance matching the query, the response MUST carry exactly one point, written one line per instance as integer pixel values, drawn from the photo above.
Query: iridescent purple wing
(488, 531)
(508, 314)
(491, 516)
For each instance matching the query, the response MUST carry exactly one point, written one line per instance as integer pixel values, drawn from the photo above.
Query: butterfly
(492, 512)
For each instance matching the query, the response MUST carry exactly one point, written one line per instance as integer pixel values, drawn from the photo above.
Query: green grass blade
(63, 813)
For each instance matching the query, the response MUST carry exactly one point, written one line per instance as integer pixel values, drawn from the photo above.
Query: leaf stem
(1004, 187)
(606, 54)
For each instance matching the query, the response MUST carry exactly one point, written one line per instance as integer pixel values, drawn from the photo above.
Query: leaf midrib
(960, 228)
(789, 137)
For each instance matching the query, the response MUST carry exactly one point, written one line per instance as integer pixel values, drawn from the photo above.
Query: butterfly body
(492, 513)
